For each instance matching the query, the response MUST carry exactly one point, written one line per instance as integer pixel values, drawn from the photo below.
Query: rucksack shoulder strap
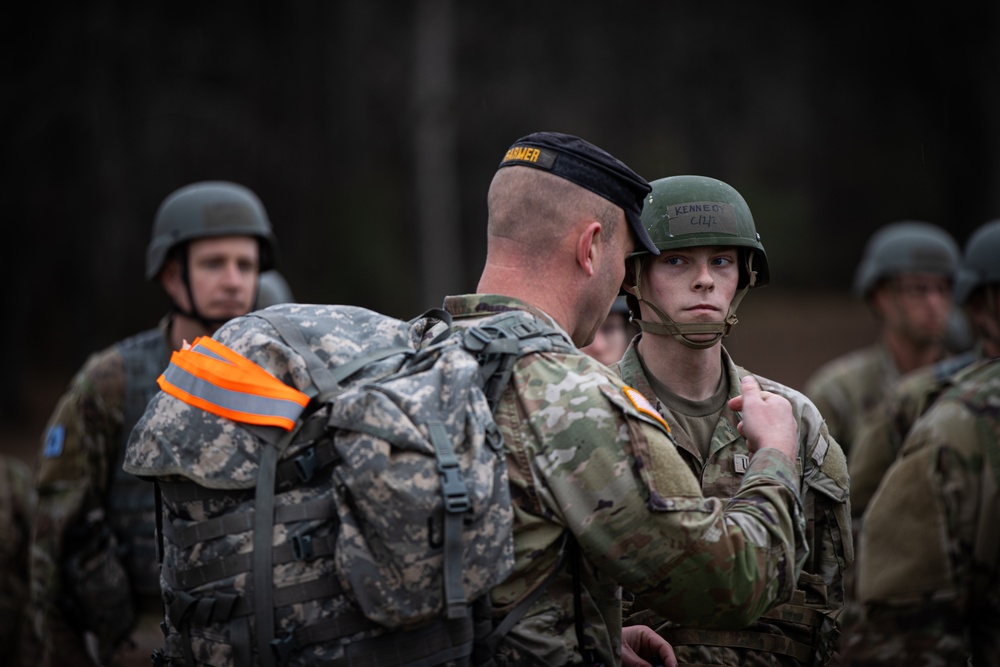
(499, 341)
(325, 380)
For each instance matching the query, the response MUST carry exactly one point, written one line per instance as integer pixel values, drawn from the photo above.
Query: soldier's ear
(171, 279)
(586, 246)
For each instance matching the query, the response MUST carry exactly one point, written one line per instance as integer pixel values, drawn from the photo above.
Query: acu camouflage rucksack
(333, 487)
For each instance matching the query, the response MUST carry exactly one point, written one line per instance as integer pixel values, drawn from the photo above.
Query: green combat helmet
(691, 211)
(272, 289)
(203, 210)
(981, 263)
(905, 247)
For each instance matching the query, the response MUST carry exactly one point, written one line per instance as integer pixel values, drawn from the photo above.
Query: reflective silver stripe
(201, 349)
(231, 400)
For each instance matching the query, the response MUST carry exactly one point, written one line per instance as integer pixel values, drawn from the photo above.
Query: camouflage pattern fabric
(81, 588)
(805, 630)
(363, 512)
(847, 389)
(929, 547)
(882, 437)
(17, 501)
(584, 459)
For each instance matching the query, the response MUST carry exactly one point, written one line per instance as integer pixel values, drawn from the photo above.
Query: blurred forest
(371, 130)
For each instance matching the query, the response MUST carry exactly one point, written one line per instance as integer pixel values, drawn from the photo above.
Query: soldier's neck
(909, 355)
(184, 330)
(688, 373)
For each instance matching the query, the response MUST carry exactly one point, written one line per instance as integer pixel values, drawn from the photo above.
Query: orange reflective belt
(210, 376)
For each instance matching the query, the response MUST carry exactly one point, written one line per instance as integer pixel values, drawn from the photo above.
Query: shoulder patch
(54, 439)
(643, 406)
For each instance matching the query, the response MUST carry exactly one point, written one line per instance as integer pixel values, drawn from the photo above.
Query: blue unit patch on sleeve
(54, 439)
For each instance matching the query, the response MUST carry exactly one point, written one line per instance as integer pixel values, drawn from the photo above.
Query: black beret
(589, 167)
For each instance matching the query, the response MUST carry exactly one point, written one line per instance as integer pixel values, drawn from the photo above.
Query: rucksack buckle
(302, 547)
(525, 329)
(283, 647)
(456, 496)
(482, 336)
(305, 465)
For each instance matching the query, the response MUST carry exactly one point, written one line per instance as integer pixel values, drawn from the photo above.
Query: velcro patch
(644, 406)
(54, 439)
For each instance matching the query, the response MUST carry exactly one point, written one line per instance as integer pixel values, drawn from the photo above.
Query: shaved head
(534, 209)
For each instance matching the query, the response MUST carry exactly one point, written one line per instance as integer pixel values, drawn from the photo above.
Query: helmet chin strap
(681, 330)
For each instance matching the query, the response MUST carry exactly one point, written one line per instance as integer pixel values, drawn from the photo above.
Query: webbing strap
(318, 371)
(747, 639)
(795, 613)
(183, 491)
(320, 589)
(498, 342)
(325, 379)
(263, 538)
(492, 641)
(244, 562)
(456, 504)
(436, 644)
(240, 522)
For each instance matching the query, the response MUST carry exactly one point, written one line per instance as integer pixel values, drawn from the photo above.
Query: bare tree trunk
(436, 130)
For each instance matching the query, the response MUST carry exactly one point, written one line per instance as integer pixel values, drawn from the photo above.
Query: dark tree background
(371, 130)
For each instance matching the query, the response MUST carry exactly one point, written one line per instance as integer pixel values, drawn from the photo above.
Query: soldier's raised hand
(767, 419)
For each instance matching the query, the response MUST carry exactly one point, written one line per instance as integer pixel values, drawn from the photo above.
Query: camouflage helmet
(981, 262)
(691, 211)
(907, 246)
(272, 289)
(206, 209)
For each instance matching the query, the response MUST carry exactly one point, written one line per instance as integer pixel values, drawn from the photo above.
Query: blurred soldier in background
(685, 301)
(905, 276)
(17, 501)
(975, 290)
(611, 340)
(94, 572)
(930, 550)
(272, 289)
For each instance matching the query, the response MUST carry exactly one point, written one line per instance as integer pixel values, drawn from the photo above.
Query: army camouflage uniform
(16, 508)
(880, 440)
(584, 460)
(803, 631)
(93, 559)
(847, 389)
(929, 576)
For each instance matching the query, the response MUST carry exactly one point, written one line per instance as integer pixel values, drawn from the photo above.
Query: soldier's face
(916, 306)
(223, 275)
(691, 284)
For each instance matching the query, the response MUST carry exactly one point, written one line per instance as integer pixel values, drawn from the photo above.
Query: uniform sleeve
(915, 537)
(873, 452)
(610, 471)
(73, 472)
(826, 497)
